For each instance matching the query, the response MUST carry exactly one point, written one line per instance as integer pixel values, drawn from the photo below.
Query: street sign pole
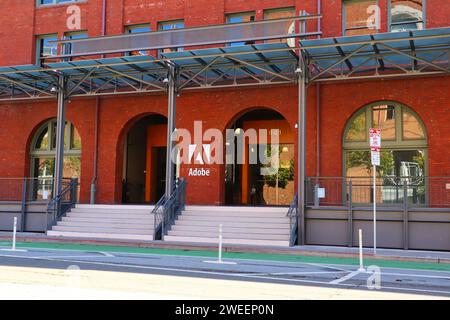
(375, 147)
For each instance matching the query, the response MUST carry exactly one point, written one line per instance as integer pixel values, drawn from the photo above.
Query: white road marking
(107, 254)
(346, 277)
(299, 273)
(231, 275)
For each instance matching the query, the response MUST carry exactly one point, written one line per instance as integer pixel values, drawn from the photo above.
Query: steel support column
(60, 129)
(301, 156)
(171, 125)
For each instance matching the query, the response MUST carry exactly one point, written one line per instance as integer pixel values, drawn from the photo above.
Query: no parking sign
(375, 146)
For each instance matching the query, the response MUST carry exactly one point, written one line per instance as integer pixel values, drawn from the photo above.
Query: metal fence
(425, 192)
(28, 189)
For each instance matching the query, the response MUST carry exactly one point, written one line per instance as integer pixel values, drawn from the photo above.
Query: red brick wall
(18, 42)
(429, 97)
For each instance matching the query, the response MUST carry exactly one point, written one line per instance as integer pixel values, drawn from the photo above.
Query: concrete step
(96, 229)
(144, 237)
(237, 214)
(226, 241)
(106, 211)
(260, 220)
(113, 207)
(234, 223)
(148, 220)
(229, 235)
(100, 215)
(237, 209)
(118, 224)
(212, 229)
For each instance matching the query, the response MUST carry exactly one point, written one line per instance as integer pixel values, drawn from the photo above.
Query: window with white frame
(406, 15)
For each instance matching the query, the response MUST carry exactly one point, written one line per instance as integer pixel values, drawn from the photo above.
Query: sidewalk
(311, 253)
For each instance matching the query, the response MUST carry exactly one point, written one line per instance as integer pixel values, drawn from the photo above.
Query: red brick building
(107, 130)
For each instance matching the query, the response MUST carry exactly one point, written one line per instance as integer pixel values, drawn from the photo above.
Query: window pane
(358, 164)
(138, 29)
(357, 130)
(171, 25)
(406, 15)
(43, 171)
(357, 14)
(412, 129)
(384, 119)
(47, 48)
(279, 14)
(76, 139)
(42, 141)
(239, 18)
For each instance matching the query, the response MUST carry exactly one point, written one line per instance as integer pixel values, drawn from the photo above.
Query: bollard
(13, 248)
(220, 258)
(361, 262)
(14, 234)
(220, 243)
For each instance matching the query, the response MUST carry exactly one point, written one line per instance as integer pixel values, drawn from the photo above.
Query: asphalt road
(23, 274)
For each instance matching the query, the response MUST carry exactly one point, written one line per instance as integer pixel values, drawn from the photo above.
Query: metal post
(24, 205)
(220, 243)
(171, 125)
(301, 163)
(60, 129)
(361, 262)
(374, 210)
(405, 217)
(350, 214)
(14, 234)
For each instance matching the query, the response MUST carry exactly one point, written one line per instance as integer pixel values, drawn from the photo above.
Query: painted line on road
(346, 277)
(231, 275)
(289, 273)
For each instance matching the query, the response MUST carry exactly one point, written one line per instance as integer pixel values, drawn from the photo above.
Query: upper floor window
(357, 17)
(171, 25)
(67, 48)
(239, 18)
(406, 15)
(49, 2)
(46, 47)
(280, 14)
(137, 28)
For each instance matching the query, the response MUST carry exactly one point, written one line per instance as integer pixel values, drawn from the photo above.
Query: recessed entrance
(251, 179)
(145, 161)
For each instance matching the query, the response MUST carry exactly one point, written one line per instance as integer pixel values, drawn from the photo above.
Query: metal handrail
(62, 203)
(292, 214)
(167, 210)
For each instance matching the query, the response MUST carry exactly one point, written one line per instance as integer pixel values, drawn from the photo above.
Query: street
(71, 274)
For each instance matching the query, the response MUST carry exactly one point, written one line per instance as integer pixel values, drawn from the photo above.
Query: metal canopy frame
(386, 55)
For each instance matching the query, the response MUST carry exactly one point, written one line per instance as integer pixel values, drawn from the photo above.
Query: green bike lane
(301, 258)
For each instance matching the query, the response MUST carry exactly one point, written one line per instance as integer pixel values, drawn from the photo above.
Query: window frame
(424, 16)
(344, 16)
(400, 143)
(160, 26)
(129, 28)
(39, 39)
(57, 2)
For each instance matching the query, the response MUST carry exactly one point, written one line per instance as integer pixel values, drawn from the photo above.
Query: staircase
(118, 222)
(241, 226)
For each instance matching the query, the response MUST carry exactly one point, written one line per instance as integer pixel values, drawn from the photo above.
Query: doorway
(145, 161)
(252, 181)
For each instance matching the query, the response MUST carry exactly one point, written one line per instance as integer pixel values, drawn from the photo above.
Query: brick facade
(429, 97)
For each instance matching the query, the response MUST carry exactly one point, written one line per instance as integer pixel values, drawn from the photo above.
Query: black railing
(293, 221)
(167, 210)
(413, 192)
(62, 203)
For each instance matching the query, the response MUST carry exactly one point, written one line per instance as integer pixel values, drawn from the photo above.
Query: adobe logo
(199, 155)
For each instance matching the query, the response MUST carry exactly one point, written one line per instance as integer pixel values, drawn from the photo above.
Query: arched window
(43, 154)
(403, 156)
